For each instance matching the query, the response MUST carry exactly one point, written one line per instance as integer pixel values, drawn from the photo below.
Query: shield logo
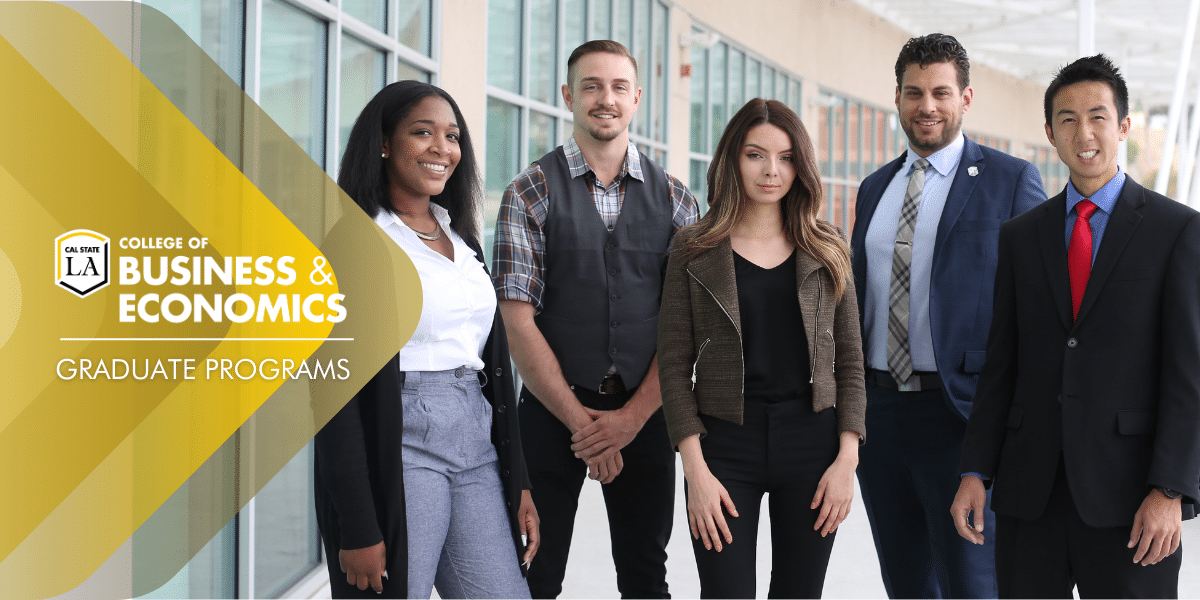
(81, 261)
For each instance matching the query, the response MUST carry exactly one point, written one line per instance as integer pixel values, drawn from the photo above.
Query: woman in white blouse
(420, 478)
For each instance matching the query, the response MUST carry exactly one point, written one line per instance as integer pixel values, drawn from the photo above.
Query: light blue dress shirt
(1105, 200)
(880, 246)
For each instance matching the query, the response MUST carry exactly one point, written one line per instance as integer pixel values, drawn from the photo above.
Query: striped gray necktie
(899, 358)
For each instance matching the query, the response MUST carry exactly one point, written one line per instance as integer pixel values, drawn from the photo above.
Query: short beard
(937, 144)
(603, 136)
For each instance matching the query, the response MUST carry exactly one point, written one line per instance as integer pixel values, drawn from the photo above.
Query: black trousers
(782, 449)
(640, 501)
(1046, 557)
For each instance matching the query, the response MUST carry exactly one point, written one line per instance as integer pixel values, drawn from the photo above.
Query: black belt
(919, 381)
(612, 384)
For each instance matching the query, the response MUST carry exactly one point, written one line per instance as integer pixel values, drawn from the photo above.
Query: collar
(943, 161)
(1105, 198)
(578, 164)
(386, 218)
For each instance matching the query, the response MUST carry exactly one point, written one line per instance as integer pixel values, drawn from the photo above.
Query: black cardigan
(359, 471)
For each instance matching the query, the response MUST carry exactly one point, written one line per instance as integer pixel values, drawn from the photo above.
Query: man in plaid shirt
(581, 243)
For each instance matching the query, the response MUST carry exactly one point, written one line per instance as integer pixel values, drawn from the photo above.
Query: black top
(774, 344)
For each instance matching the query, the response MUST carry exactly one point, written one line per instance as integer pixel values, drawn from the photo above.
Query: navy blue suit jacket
(964, 257)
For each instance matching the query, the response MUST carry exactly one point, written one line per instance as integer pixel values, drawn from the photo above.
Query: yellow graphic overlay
(91, 143)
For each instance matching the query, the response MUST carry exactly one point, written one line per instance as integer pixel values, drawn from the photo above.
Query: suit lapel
(1051, 237)
(714, 270)
(960, 192)
(1121, 225)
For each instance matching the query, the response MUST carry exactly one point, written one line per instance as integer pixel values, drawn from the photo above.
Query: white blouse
(459, 301)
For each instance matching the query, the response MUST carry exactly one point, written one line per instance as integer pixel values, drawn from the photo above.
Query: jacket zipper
(735, 328)
(695, 364)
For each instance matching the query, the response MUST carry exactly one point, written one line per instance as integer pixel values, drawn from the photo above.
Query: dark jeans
(782, 449)
(640, 501)
(907, 471)
(1046, 557)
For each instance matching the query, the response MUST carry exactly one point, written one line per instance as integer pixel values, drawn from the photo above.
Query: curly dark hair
(1090, 68)
(934, 48)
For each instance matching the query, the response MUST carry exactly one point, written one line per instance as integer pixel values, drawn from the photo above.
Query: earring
(383, 154)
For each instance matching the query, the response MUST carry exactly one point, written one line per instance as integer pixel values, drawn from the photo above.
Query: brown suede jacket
(700, 344)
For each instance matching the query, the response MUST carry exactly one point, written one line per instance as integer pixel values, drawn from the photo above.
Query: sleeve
(1175, 462)
(997, 381)
(676, 354)
(851, 387)
(1029, 192)
(342, 464)
(518, 267)
(686, 210)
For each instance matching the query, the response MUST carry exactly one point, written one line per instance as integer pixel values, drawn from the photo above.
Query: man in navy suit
(1087, 418)
(924, 244)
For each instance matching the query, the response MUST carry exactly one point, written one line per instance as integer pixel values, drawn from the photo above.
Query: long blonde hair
(727, 196)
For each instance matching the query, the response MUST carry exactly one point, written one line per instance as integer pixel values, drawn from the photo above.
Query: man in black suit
(1087, 413)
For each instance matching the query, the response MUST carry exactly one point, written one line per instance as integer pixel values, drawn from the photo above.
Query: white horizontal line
(216, 339)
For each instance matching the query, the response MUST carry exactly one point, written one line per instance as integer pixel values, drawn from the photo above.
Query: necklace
(432, 236)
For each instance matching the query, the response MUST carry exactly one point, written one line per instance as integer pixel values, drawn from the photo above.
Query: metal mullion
(391, 70)
(435, 40)
(316, 8)
(699, 156)
(523, 55)
(523, 136)
(561, 51)
(333, 78)
(366, 33)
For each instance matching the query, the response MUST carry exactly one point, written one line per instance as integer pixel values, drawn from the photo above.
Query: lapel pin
(972, 171)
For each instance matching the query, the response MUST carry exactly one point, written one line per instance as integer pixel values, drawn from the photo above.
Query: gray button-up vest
(603, 288)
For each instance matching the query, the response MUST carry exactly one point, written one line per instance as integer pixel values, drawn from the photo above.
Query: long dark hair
(727, 194)
(363, 177)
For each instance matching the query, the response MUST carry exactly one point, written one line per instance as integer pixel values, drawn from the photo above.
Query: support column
(1172, 133)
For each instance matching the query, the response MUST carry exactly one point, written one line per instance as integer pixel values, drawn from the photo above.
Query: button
(613, 324)
(612, 351)
(610, 246)
(612, 271)
(504, 442)
(613, 297)
(505, 473)
(499, 372)
(1071, 343)
(500, 409)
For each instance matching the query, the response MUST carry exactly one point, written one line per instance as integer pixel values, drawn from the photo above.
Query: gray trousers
(458, 529)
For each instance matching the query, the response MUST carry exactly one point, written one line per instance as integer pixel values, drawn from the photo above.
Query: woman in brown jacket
(758, 310)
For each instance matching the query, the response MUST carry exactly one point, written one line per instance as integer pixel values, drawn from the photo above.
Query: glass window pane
(646, 78)
(407, 71)
(716, 92)
(698, 183)
(623, 16)
(576, 13)
(752, 73)
(362, 77)
(781, 88)
(794, 96)
(415, 23)
(216, 25)
(737, 81)
(503, 127)
(371, 12)
(286, 538)
(541, 136)
(292, 82)
(504, 44)
(659, 49)
(543, 41)
(601, 19)
(768, 83)
(699, 93)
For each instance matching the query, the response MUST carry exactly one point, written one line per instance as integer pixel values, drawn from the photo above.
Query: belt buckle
(459, 372)
(912, 385)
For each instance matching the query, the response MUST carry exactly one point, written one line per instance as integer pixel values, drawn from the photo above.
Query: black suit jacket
(1115, 393)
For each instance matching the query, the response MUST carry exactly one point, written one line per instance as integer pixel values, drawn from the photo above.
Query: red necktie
(1079, 253)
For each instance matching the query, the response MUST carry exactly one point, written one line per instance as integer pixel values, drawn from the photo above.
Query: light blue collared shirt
(1105, 200)
(880, 246)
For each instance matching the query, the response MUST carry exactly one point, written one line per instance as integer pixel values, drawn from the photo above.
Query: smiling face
(423, 151)
(931, 106)
(603, 95)
(1087, 133)
(767, 164)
